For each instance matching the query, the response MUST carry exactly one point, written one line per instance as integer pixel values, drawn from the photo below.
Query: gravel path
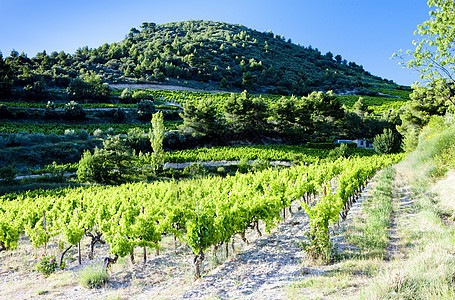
(262, 269)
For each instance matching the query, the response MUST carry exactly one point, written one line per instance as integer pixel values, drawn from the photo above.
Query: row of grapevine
(336, 201)
(41, 105)
(202, 212)
(294, 153)
(59, 128)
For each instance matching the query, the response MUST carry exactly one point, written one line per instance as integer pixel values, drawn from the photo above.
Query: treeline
(319, 117)
(228, 56)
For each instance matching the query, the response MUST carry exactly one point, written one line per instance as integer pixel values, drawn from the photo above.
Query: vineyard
(200, 212)
(59, 129)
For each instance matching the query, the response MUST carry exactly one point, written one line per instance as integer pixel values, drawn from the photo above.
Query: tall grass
(435, 151)
(371, 232)
(429, 270)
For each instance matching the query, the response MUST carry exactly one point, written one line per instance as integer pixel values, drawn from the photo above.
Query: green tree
(245, 114)
(200, 119)
(90, 86)
(434, 54)
(109, 164)
(145, 110)
(73, 111)
(361, 108)
(387, 142)
(156, 140)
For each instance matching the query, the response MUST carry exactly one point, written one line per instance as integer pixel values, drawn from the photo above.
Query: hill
(226, 56)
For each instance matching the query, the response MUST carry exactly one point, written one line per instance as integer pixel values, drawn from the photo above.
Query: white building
(362, 143)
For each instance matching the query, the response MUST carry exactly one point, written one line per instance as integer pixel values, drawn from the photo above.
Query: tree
(200, 119)
(109, 164)
(90, 86)
(246, 115)
(434, 54)
(145, 110)
(6, 83)
(73, 111)
(156, 140)
(361, 108)
(387, 142)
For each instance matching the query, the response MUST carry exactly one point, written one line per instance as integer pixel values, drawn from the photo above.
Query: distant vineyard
(258, 152)
(59, 129)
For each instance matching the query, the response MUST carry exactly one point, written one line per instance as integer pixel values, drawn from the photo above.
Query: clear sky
(367, 32)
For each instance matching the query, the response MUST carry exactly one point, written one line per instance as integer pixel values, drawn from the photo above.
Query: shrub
(18, 139)
(145, 110)
(194, 169)
(341, 151)
(47, 265)
(126, 95)
(73, 111)
(109, 164)
(110, 131)
(70, 134)
(7, 175)
(83, 134)
(387, 142)
(140, 95)
(92, 275)
(98, 133)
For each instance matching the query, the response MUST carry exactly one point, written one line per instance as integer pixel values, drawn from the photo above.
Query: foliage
(220, 54)
(47, 265)
(145, 110)
(338, 152)
(361, 108)
(321, 215)
(108, 164)
(156, 140)
(92, 274)
(89, 86)
(74, 111)
(387, 142)
(200, 118)
(7, 174)
(433, 55)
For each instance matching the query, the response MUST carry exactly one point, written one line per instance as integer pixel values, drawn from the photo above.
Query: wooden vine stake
(145, 248)
(44, 227)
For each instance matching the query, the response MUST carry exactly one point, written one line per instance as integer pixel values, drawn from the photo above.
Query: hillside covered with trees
(225, 56)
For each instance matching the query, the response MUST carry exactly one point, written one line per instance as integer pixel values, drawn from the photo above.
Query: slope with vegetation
(224, 55)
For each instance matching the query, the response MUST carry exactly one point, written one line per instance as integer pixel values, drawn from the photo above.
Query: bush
(126, 95)
(47, 265)
(341, 151)
(107, 165)
(83, 134)
(194, 169)
(7, 175)
(387, 142)
(70, 134)
(18, 139)
(145, 110)
(74, 111)
(98, 133)
(92, 275)
(110, 131)
(140, 95)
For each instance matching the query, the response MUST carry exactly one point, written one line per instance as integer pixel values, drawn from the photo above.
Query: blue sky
(367, 32)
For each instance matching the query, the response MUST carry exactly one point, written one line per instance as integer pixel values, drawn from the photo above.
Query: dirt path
(262, 269)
